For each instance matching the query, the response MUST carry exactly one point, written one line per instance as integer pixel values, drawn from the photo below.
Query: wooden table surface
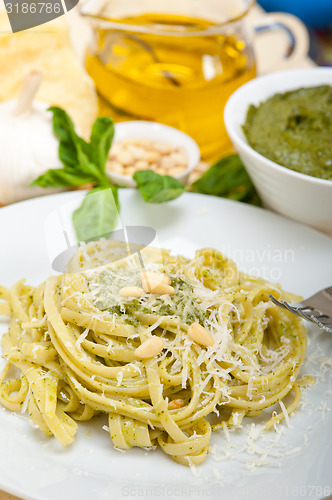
(7, 496)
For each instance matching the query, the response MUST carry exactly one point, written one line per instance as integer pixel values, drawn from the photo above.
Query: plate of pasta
(163, 369)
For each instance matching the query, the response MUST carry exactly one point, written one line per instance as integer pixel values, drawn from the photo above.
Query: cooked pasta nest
(72, 341)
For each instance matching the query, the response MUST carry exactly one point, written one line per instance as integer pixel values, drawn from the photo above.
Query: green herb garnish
(85, 162)
(97, 215)
(229, 179)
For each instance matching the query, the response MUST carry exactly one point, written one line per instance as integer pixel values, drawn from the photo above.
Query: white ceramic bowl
(159, 133)
(298, 196)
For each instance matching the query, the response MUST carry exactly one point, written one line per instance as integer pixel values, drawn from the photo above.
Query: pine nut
(167, 162)
(162, 147)
(131, 291)
(200, 335)
(142, 165)
(156, 283)
(144, 143)
(150, 348)
(116, 148)
(151, 156)
(157, 287)
(179, 159)
(115, 166)
(130, 155)
(136, 151)
(129, 171)
(175, 171)
(154, 276)
(175, 404)
(125, 157)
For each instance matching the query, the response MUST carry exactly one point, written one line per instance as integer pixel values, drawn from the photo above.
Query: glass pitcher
(172, 61)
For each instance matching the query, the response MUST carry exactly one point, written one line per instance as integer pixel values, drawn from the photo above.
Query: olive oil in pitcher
(180, 74)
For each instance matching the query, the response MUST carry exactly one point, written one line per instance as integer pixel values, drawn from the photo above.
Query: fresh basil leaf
(63, 127)
(64, 130)
(61, 177)
(97, 215)
(157, 188)
(101, 140)
(87, 165)
(67, 156)
(85, 162)
(228, 178)
(74, 152)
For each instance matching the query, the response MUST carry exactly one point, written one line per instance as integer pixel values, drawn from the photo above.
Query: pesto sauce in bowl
(294, 129)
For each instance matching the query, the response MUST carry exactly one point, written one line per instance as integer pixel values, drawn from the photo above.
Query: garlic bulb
(27, 143)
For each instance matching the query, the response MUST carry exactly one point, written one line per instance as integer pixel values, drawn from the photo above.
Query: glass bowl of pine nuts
(142, 145)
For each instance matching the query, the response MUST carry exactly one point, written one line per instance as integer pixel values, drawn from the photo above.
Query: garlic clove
(28, 149)
(29, 89)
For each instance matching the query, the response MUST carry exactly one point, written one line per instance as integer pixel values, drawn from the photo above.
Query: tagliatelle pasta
(226, 352)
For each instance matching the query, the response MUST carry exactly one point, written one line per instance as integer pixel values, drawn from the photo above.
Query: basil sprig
(97, 215)
(228, 178)
(157, 188)
(85, 162)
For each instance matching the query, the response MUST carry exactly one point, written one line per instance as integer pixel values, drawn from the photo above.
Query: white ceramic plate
(34, 466)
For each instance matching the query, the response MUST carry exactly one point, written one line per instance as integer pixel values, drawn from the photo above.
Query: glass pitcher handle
(298, 45)
(273, 26)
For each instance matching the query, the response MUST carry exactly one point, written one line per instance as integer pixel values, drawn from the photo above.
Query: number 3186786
(33, 8)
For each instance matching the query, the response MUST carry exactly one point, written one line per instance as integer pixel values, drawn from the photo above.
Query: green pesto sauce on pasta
(181, 305)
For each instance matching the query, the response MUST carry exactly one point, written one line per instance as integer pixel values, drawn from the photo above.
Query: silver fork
(317, 308)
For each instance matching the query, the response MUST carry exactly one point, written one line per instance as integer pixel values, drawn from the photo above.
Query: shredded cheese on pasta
(73, 341)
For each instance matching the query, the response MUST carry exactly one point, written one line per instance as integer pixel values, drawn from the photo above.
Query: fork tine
(276, 302)
(283, 304)
(295, 310)
(313, 315)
